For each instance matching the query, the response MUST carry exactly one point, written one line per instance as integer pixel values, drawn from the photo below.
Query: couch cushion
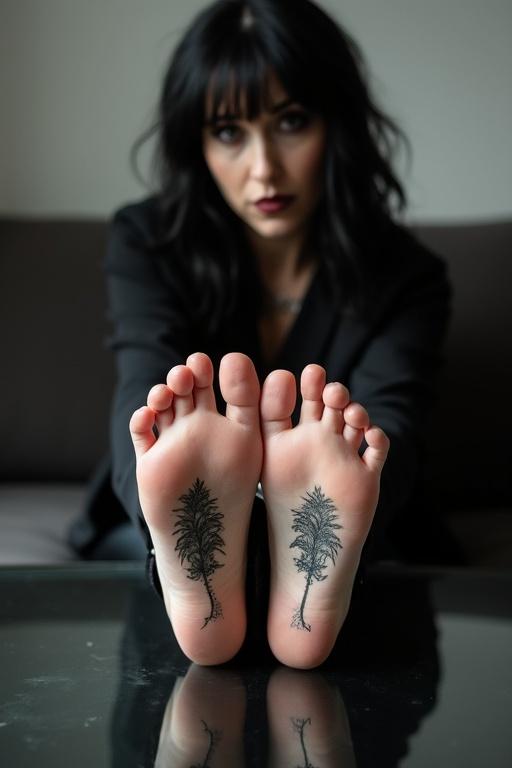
(35, 521)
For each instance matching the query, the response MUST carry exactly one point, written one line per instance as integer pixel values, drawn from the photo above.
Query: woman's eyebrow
(281, 105)
(227, 116)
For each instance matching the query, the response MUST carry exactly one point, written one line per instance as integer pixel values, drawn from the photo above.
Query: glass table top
(91, 676)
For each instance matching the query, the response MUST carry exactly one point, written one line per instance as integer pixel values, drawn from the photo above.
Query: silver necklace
(275, 303)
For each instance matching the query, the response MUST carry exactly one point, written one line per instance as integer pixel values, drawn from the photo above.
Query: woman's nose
(264, 159)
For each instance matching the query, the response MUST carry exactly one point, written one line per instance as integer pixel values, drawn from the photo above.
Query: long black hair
(320, 66)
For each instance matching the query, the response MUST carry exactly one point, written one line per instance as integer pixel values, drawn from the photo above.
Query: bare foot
(196, 483)
(320, 496)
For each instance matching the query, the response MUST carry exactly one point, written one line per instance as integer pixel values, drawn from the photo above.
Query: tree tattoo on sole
(314, 522)
(199, 527)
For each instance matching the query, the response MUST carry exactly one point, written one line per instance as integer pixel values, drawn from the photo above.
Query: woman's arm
(150, 333)
(395, 377)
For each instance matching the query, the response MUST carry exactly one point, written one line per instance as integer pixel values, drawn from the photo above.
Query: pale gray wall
(79, 79)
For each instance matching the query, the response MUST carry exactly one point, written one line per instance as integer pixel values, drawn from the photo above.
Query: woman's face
(269, 170)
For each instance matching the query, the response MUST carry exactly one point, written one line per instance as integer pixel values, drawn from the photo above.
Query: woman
(271, 246)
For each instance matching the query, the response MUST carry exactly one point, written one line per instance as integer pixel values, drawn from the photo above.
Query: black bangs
(238, 86)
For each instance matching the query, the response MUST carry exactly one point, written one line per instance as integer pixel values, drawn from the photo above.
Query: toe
(278, 397)
(356, 416)
(378, 446)
(354, 437)
(141, 430)
(312, 385)
(202, 368)
(160, 400)
(335, 397)
(356, 421)
(180, 380)
(240, 388)
(160, 397)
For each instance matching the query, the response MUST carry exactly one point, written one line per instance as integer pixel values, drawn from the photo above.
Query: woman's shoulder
(404, 256)
(134, 237)
(137, 249)
(138, 221)
(406, 272)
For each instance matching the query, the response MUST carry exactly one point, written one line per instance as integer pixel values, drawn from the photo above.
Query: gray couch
(57, 379)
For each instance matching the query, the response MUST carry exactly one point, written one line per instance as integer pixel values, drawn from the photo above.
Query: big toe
(240, 388)
(278, 397)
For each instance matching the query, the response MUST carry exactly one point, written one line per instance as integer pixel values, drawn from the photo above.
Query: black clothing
(388, 358)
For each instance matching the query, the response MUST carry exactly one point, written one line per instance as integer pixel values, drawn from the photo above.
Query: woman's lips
(274, 204)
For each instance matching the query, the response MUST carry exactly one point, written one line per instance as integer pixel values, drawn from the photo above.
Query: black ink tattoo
(213, 739)
(199, 526)
(299, 724)
(314, 522)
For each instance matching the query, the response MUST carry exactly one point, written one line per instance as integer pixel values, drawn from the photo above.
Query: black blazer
(388, 358)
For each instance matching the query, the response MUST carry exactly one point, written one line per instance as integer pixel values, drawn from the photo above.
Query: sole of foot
(196, 479)
(320, 495)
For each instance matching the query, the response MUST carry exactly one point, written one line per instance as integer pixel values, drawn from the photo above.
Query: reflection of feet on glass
(196, 483)
(308, 724)
(204, 720)
(320, 495)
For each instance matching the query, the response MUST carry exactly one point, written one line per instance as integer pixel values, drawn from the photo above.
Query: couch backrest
(470, 462)
(57, 376)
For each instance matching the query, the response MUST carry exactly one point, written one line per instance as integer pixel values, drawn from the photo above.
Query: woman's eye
(294, 121)
(227, 134)
(290, 122)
